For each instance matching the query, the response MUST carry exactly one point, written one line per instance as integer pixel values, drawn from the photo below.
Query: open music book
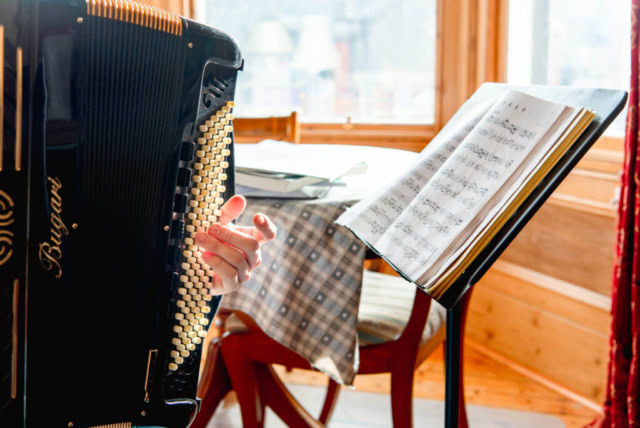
(435, 219)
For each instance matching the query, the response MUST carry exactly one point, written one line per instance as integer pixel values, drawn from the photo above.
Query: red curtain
(622, 405)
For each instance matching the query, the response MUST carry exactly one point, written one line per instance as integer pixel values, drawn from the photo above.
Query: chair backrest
(256, 129)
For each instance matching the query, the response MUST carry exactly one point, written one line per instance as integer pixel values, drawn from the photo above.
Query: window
(366, 61)
(584, 43)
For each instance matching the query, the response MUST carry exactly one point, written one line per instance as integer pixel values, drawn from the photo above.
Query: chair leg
(280, 400)
(402, 395)
(330, 401)
(243, 379)
(444, 356)
(214, 385)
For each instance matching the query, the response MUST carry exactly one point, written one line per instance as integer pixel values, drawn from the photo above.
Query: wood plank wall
(545, 305)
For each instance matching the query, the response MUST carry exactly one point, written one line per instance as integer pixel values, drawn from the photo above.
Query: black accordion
(116, 148)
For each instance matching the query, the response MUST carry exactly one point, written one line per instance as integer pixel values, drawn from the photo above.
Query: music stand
(607, 104)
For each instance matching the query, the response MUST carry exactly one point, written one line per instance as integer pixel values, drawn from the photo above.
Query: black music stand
(607, 104)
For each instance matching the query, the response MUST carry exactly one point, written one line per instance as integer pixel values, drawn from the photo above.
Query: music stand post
(607, 104)
(452, 367)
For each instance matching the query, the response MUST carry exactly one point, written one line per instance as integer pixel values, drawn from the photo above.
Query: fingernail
(202, 238)
(261, 219)
(214, 230)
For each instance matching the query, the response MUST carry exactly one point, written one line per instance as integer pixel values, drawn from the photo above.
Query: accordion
(116, 148)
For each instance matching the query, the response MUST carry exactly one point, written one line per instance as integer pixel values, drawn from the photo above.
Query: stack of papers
(279, 169)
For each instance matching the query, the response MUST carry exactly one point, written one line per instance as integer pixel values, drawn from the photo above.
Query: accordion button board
(203, 209)
(116, 150)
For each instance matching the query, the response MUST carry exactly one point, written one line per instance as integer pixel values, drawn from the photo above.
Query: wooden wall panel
(562, 337)
(544, 306)
(576, 304)
(574, 245)
(603, 160)
(592, 186)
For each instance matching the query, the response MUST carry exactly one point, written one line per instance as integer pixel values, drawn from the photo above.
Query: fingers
(219, 252)
(265, 228)
(247, 244)
(225, 278)
(232, 251)
(217, 286)
(232, 209)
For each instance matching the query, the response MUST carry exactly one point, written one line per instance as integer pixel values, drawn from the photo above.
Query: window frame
(475, 53)
(471, 48)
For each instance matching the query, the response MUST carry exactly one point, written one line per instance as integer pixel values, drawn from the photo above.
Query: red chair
(242, 358)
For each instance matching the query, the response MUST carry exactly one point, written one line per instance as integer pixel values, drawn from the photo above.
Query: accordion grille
(136, 13)
(121, 425)
(143, 77)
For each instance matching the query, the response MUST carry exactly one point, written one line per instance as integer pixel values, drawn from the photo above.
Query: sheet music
(372, 217)
(416, 220)
(499, 202)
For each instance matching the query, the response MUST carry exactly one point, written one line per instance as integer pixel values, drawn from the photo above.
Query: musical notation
(392, 204)
(488, 156)
(429, 221)
(513, 129)
(464, 182)
(411, 184)
(448, 191)
(471, 164)
(502, 139)
(419, 217)
(440, 158)
(430, 165)
(415, 248)
(417, 254)
(376, 227)
(381, 216)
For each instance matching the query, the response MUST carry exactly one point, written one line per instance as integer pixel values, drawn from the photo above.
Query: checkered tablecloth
(305, 295)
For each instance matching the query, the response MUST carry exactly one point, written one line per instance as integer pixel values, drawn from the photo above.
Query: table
(305, 295)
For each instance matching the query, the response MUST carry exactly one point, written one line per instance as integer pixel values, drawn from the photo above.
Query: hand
(233, 251)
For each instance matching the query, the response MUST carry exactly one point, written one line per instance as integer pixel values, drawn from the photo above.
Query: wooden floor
(487, 383)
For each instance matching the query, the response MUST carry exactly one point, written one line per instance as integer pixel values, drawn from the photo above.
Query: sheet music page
(436, 206)
(371, 217)
(499, 201)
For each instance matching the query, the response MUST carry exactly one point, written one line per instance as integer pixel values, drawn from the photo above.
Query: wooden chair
(242, 359)
(256, 129)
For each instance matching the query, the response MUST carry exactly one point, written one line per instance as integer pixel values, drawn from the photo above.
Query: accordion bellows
(116, 148)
